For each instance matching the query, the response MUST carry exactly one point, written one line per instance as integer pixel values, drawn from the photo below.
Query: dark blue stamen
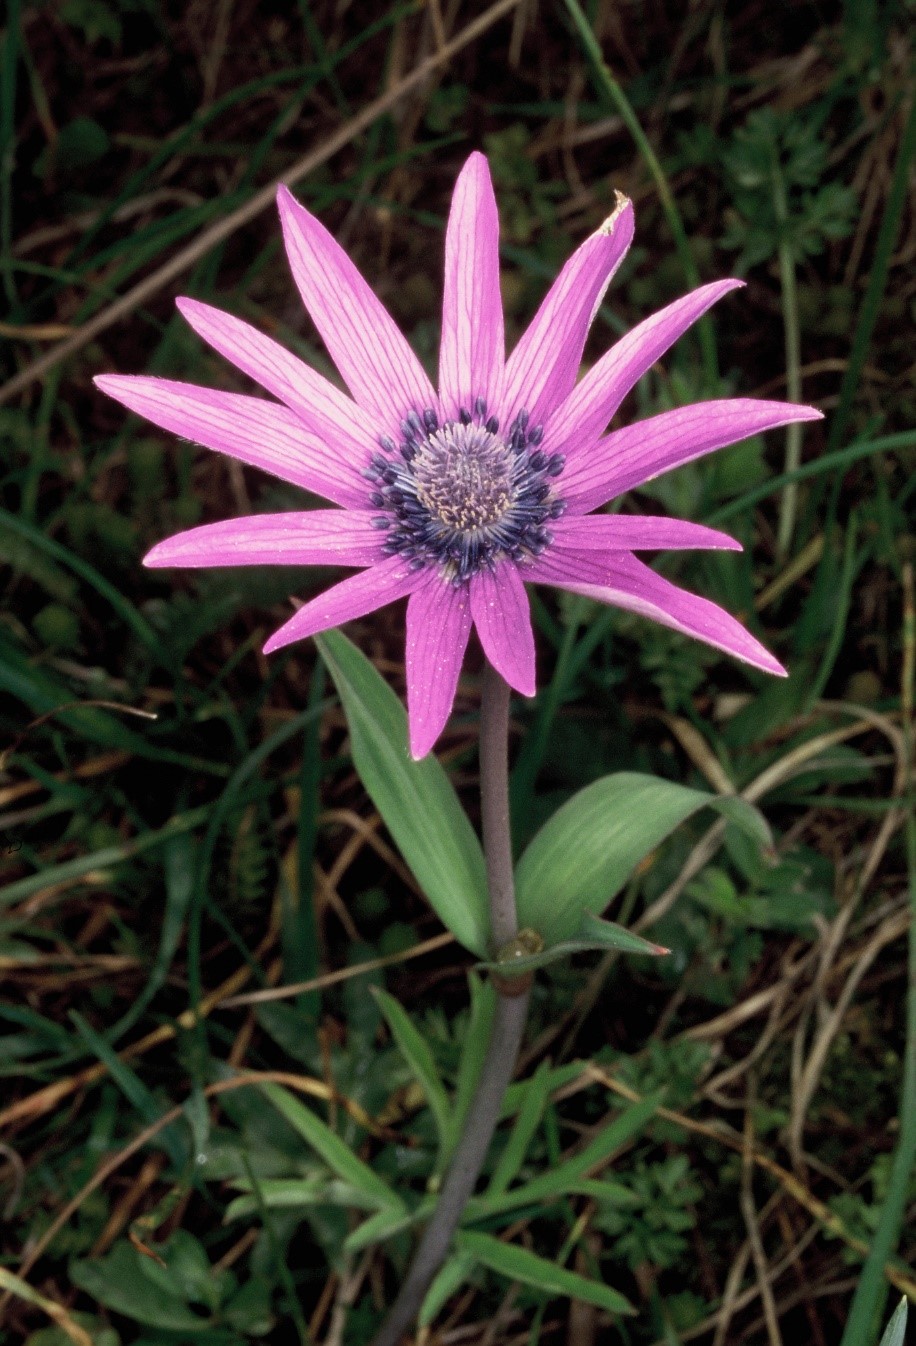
(459, 497)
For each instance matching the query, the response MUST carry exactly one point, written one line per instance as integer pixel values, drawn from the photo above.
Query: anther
(464, 416)
(430, 420)
(536, 435)
(556, 464)
(480, 407)
(538, 461)
(493, 425)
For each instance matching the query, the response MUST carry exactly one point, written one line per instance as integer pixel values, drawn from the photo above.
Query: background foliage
(157, 870)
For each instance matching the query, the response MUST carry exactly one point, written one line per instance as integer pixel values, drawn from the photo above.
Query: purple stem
(508, 1020)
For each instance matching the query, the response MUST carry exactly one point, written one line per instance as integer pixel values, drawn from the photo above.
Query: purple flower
(459, 498)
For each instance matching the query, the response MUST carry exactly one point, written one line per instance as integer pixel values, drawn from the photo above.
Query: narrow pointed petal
(634, 455)
(637, 532)
(499, 606)
(263, 434)
(320, 537)
(438, 625)
(324, 409)
(593, 401)
(351, 598)
(472, 352)
(542, 369)
(372, 354)
(624, 582)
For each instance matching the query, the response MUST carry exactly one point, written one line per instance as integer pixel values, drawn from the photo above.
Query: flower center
(461, 496)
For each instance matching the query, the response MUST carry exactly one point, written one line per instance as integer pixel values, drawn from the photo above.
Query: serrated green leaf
(518, 1264)
(416, 799)
(335, 1153)
(584, 854)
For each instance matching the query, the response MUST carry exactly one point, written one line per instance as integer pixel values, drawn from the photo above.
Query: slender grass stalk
(614, 92)
(791, 327)
(877, 279)
(862, 1325)
(508, 1021)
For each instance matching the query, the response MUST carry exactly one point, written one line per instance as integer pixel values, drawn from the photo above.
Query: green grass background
(152, 868)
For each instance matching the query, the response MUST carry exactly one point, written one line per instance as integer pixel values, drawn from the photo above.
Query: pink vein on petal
(624, 582)
(353, 597)
(636, 532)
(324, 409)
(637, 453)
(542, 369)
(319, 537)
(472, 351)
(594, 400)
(438, 625)
(499, 606)
(372, 354)
(263, 434)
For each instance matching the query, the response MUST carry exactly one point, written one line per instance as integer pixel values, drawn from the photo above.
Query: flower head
(457, 498)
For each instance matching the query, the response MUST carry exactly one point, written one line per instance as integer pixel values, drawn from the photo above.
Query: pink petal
(365, 343)
(624, 582)
(499, 606)
(438, 625)
(637, 453)
(636, 532)
(472, 352)
(264, 434)
(320, 537)
(593, 401)
(351, 598)
(325, 409)
(542, 369)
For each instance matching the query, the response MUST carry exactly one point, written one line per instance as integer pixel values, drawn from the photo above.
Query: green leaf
(122, 1282)
(332, 1149)
(567, 1177)
(416, 799)
(895, 1332)
(593, 934)
(380, 1226)
(452, 1274)
(526, 1124)
(416, 1052)
(584, 854)
(473, 1051)
(517, 1264)
(298, 1194)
